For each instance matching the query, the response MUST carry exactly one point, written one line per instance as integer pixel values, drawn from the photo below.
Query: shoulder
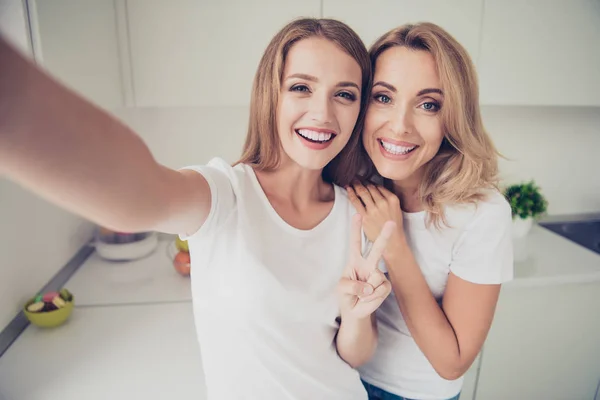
(483, 252)
(218, 172)
(492, 210)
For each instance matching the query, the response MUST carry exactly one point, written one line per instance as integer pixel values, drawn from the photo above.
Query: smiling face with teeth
(403, 127)
(319, 102)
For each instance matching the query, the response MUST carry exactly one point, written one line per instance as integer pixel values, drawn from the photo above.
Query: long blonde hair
(262, 148)
(467, 161)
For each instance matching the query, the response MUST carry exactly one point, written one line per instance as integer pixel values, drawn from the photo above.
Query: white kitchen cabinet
(77, 42)
(195, 53)
(470, 382)
(540, 52)
(543, 344)
(371, 19)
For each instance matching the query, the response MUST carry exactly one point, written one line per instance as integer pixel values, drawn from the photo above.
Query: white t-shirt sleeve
(483, 253)
(218, 173)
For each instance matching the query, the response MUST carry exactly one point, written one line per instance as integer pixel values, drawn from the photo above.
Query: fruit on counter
(182, 245)
(50, 301)
(66, 295)
(181, 262)
(48, 297)
(58, 302)
(36, 307)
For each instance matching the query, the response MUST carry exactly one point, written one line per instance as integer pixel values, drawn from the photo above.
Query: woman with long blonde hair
(268, 237)
(437, 172)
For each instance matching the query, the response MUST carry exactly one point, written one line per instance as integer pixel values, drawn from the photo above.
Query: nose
(321, 109)
(401, 121)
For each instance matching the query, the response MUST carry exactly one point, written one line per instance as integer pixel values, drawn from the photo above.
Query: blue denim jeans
(379, 394)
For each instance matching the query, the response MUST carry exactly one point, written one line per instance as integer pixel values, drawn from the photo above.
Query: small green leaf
(526, 200)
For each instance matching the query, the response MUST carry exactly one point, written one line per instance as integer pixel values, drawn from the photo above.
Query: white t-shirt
(264, 295)
(477, 247)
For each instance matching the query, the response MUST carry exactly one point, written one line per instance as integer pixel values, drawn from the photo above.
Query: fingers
(376, 278)
(352, 287)
(380, 244)
(364, 195)
(356, 202)
(389, 196)
(381, 291)
(375, 194)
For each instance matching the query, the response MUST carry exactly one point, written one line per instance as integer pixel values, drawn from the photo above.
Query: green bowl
(49, 319)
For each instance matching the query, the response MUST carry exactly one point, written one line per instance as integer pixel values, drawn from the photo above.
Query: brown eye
(299, 88)
(347, 96)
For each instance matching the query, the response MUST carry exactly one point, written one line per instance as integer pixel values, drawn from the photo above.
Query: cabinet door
(470, 382)
(201, 53)
(77, 42)
(541, 52)
(543, 344)
(371, 19)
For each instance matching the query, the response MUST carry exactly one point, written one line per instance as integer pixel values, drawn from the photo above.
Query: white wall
(556, 146)
(36, 238)
(181, 136)
(13, 24)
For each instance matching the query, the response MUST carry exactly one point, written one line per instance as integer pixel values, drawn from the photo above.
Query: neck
(291, 183)
(407, 191)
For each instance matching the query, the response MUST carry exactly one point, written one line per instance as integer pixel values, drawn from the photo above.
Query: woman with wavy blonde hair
(452, 247)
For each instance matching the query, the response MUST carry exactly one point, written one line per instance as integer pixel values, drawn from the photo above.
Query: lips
(316, 135)
(315, 138)
(397, 148)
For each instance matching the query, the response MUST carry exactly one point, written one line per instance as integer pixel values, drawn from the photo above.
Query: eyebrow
(430, 90)
(391, 88)
(315, 79)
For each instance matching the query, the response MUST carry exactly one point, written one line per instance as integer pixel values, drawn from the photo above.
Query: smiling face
(403, 128)
(319, 102)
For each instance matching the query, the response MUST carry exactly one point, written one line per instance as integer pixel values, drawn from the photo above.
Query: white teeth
(394, 149)
(314, 136)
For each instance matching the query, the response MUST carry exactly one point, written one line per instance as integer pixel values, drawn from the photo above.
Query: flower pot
(521, 227)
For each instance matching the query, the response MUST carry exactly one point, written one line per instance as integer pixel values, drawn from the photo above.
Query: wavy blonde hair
(467, 161)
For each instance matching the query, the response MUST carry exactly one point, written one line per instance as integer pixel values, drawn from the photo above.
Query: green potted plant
(527, 203)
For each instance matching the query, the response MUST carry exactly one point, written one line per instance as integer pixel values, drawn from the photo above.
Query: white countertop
(152, 279)
(116, 352)
(132, 335)
(545, 258)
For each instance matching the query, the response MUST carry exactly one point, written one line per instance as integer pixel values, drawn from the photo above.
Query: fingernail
(367, 290)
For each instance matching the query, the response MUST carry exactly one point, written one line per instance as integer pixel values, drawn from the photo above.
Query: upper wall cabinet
(371, 19)
(187, 53)
(203, 53)
(541, 52)
(77, 42)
